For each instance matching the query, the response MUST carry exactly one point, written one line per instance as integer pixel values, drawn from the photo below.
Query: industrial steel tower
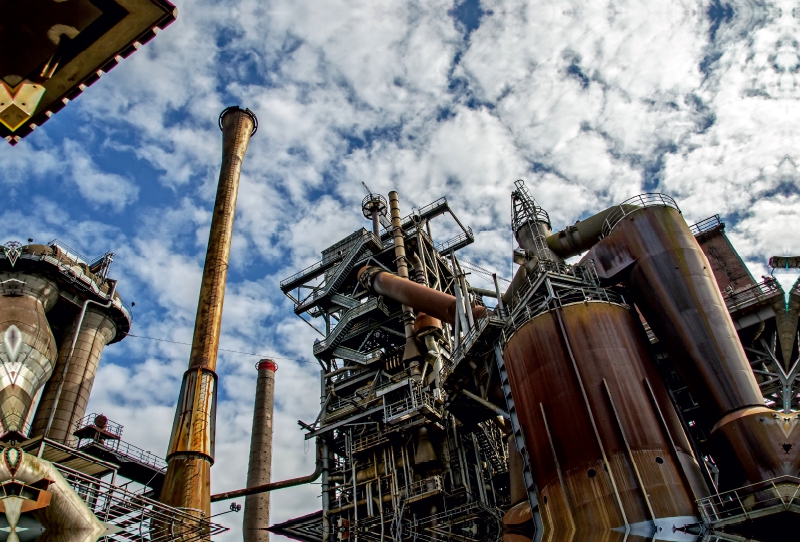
(58, 311)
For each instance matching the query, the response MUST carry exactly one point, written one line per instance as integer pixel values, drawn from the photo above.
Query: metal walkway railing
(139, 518)
(634, 204)
(749, 502)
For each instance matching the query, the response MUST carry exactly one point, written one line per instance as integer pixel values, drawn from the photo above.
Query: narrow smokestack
(259, 472)
(191, 446)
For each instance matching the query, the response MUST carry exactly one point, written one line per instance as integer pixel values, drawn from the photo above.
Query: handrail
(463, 236)
(752, 294)
(138, 517)
(631, 205)
(729, 504)
(705, 225)
(314, 266)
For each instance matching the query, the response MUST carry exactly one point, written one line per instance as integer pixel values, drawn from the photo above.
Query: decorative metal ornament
(12, 457)
(12, 252)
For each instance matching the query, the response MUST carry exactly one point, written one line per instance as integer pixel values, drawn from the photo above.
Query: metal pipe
(483, 292)
(411, 350)
(497, 292)
(272, 486)
(191, 449)
(433, 302)
(491, 406)
(72, 349)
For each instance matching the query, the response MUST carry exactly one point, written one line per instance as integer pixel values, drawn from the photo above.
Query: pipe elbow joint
(366, 276)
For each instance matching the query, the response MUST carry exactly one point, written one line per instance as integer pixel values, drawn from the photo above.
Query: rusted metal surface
(674, 287)
(549, 386)
(437, 304)
(259, 469)
(191, 447)
(729, 269)
(411, 351)
(579, 237)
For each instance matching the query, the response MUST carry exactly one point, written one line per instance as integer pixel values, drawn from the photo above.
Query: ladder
(527, 474)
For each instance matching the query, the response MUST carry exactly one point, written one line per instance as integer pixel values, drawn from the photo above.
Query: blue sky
(590, 102)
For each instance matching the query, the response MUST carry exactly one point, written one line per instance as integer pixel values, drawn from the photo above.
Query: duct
(435, 303)
(584, 234)
(672, 284)
(54, 406)
(191, 449)
(259, 471)
(272, 486)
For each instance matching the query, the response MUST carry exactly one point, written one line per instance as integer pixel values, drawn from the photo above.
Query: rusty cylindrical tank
(609, 448)
(259, 471)
(27, 345)
(191, 447)
(672, 284)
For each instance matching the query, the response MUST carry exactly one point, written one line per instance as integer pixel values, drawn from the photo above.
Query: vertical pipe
(376, 225)
(191, 448)
(411, 350)
(259, 472)
(497, 290)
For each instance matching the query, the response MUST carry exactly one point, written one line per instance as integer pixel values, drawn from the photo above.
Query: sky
(589, 102)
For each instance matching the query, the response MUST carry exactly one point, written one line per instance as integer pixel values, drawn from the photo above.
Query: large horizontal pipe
(274, 485)
(421, 298)
(584, 234)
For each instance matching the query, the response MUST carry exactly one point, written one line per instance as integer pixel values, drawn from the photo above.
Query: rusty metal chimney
(191, 447)
(259, 472)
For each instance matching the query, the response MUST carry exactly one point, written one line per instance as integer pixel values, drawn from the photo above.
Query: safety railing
(463, 238)
(127, 450)
(67, 251)
(311, 268)
(347, 318)
(763, 291)
(543, 301)
(467, 341)
(708, 224)
(138, 517)
(417, 212)
(99, 421)
(370, 441)
(585, 273)
(635, 204)
(416, 400)
(424, 488)
(347, 260)
(748, 502)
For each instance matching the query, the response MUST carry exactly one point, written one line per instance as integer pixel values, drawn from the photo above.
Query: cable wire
(221, 349)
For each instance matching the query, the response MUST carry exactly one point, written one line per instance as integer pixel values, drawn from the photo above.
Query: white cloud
(98, 187)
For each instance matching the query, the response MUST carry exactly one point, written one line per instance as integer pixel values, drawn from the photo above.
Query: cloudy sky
(589, 102)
